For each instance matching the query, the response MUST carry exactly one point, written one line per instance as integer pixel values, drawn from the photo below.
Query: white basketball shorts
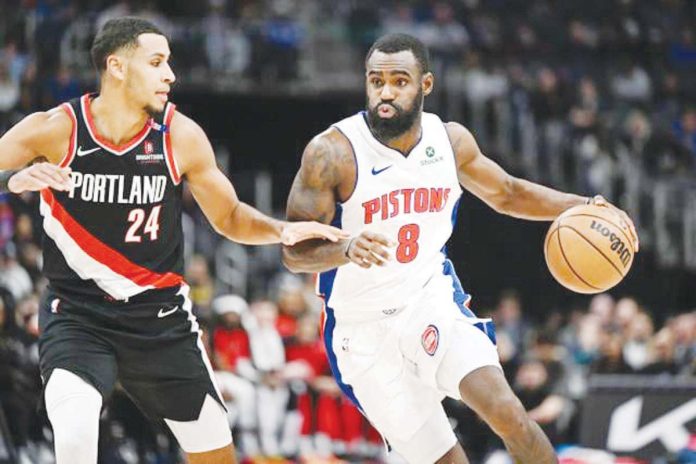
(399, 367)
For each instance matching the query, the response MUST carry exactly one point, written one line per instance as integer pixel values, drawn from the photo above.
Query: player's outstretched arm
(217, 198)
(508, 194)
(43, 135)
(504, 193)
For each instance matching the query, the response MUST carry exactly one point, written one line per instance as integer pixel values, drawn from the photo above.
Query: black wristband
(5, 179)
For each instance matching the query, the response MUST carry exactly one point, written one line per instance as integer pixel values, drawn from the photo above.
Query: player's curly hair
(116, 34)
(394, 43)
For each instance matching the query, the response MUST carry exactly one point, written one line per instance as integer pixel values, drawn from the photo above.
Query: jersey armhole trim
(454, 155)
(355, 159)
(70, 155)
(172, 166)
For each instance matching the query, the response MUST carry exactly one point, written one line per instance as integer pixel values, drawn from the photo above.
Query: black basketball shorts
(150, 345)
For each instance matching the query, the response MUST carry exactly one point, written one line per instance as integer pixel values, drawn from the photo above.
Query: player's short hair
(116, 34)
(394, 43)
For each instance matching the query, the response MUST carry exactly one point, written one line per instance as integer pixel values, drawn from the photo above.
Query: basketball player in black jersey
(117, 305)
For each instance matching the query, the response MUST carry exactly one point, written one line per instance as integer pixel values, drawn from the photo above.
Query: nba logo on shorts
(148, 147)
(430, 339)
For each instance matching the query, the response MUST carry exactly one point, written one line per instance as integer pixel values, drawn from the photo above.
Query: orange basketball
(588, 250)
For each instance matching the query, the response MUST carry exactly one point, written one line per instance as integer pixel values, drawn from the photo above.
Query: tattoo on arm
(313, 193)
(313, 197)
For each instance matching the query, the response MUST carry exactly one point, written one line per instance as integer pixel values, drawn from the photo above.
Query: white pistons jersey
(411, 200)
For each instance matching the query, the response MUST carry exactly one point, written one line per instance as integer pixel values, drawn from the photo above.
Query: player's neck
(115, 118)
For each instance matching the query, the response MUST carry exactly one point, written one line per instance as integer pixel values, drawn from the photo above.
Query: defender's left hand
(294, 232)
(599, 200)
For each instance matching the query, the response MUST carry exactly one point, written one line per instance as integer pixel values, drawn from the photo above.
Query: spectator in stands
(662, 354)
(9, 95)
(638, 337)
(446, 38)
(632, 84)
(685, 130)
(230, 339)
(539, 395)
(61, 87)
(550, 104)
(227, 47)
(14, 277)
(276, 50)
(201, 282)
(400, 20)
(611, 359)
(602, 306)
(509, 319)
(279, 422)
(291, 305)
(684, 328)
(626, 310)
(231, 361)
(657, 152)
(20, 385)
(15, 59)
(584, 112)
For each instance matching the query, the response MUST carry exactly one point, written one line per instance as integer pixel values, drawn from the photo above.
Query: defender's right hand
(369, 248)
(40, 176)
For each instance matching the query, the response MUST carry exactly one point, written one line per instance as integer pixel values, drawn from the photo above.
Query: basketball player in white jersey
(398, 331)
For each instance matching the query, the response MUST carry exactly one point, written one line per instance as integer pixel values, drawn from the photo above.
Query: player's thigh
(407, 412)
(431, 441)
(470, 348)
(171, 380)
(72, 343)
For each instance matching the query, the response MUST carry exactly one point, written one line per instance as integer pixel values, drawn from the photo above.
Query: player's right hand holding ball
(369, 248)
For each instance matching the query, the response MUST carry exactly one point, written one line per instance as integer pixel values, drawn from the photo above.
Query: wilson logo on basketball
(430, 339)
(617, 245)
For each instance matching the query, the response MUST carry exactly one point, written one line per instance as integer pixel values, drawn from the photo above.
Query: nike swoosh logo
(162, 313)
(377, 171)
(81, 152)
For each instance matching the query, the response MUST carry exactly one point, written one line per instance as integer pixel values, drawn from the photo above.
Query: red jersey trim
(169, 152)
(70, 155)
(106, 255)
(85, 101)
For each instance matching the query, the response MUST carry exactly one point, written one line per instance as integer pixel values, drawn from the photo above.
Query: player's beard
(386, 129)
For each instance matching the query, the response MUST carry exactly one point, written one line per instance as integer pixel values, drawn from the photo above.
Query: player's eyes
(156, 63)
(402, 82)
(376, 82)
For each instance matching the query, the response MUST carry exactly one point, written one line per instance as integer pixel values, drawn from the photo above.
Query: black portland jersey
(117, 232)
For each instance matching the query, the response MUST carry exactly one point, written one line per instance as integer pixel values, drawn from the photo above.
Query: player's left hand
(627, 223)
(294, 232)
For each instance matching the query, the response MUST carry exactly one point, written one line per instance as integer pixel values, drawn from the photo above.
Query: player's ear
(116, 66)
(427, 83)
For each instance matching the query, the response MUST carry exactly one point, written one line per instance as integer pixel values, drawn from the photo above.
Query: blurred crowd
(592, 95)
